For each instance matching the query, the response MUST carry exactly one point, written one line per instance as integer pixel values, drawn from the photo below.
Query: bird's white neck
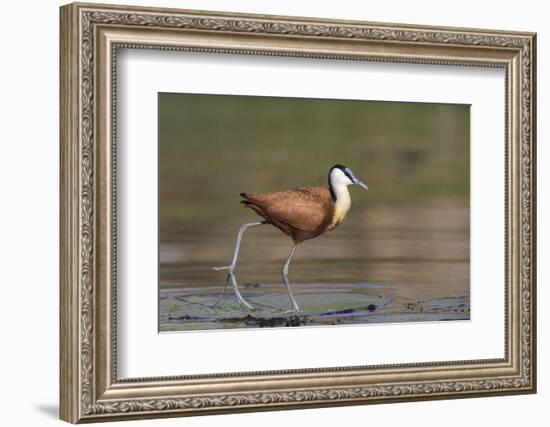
(342, 204)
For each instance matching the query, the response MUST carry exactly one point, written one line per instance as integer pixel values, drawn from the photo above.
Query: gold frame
(90, 36)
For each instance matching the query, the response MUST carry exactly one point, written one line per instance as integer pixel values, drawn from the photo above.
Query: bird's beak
(355, 180)
(361, 184)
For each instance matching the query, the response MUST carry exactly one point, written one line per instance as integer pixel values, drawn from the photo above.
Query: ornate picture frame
(90, 37)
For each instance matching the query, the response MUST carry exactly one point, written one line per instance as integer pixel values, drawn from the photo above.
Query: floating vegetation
(206, 311)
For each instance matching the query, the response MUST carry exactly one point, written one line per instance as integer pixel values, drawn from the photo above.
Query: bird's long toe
(224, 267)
(247, 304)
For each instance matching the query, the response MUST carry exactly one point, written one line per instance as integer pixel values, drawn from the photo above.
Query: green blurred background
(212, 147)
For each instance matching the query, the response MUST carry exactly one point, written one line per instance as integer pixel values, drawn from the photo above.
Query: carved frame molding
(90, 37)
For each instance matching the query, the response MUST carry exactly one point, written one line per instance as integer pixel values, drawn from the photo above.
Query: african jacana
(301, 213)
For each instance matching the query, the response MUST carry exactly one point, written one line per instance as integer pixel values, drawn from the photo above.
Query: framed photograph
(266, 212)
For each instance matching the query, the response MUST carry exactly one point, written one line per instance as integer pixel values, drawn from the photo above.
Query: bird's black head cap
(342, 168)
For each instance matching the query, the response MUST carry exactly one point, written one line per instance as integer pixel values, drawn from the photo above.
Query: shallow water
(384, 263)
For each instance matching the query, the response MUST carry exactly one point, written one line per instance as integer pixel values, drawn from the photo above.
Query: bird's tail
(251, 203)
(245, 196)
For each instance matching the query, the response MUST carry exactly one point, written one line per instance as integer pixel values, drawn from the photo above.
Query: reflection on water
(410, 259)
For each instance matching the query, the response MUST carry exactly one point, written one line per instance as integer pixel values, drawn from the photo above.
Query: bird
(300, 213)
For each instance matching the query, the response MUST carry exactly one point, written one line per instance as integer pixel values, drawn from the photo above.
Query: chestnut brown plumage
(301, 213)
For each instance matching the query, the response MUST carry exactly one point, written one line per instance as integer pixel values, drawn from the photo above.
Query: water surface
(386, 263)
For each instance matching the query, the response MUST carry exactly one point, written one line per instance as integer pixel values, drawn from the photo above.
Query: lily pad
(192, 311)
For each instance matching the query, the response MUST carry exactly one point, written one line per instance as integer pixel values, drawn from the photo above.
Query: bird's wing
(303, 208)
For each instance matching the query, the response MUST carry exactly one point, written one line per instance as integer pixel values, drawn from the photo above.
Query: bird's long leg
(295, 306)
(233, 265)
(243, 228)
